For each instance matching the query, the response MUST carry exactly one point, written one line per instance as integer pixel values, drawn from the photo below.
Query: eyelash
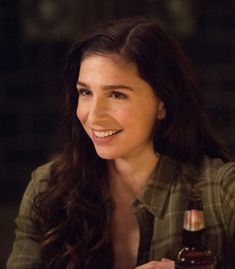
(118, 95)
(84, 92)
(113, 94)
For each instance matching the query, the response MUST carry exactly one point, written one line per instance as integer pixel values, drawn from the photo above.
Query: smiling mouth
(102, 134)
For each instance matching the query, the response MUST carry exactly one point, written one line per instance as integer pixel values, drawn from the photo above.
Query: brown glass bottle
(194, 255)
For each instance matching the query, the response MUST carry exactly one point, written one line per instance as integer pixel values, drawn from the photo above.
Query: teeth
(104, 133)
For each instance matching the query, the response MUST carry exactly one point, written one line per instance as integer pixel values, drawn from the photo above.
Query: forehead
(114, 60)
(113, 57)
(109, 67)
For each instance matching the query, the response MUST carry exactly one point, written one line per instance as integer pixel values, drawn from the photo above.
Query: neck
(128, 177)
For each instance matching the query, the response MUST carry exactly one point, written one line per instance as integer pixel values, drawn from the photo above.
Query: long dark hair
(75, 210)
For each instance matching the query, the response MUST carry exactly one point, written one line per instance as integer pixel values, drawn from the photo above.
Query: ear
(161, 115)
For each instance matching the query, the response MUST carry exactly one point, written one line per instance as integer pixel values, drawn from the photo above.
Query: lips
(105, 133)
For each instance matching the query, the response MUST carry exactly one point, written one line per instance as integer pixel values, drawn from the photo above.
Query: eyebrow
(107, 87)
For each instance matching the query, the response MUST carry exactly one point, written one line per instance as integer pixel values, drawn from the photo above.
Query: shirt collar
(155, 194)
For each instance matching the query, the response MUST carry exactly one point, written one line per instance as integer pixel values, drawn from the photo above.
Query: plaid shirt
(159, 210)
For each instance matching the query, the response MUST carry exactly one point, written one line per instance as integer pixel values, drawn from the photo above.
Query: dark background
(35, 36)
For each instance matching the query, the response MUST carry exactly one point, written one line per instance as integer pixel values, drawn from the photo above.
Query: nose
(98, 110)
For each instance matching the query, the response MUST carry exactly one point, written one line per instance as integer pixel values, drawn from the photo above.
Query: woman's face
(116, 107)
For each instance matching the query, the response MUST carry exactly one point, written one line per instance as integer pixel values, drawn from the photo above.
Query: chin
(107, 155)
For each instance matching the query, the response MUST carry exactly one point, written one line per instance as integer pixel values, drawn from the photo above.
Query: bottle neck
(192, 239)
(194, 225)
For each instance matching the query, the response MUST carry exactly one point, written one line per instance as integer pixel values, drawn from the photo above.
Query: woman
(136, 138)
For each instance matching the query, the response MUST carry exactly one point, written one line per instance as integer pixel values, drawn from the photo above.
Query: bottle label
(193, 220)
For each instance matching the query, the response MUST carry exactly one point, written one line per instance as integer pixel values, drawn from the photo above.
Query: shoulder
(37, 184)
(212, 175)
(43, 172)
(39, 179)
(218, 193)
(217, 183)
(217, 171)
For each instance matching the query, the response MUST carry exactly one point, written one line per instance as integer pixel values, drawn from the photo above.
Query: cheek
(123, 115)
(81, 113)
(136, 115)
(142, 119)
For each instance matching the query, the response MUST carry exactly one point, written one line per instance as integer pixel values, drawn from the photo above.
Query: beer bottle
(194, 254)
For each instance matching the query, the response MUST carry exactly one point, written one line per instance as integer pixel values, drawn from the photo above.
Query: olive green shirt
(159, 210)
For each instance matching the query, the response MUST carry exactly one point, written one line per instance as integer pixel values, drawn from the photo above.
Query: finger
(167, 263)
(166, 260)
(150, 265)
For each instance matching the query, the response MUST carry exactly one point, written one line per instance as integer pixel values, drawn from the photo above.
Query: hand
(163, 264)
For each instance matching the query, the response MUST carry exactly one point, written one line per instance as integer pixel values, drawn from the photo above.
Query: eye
(84, 92)
(118, 95)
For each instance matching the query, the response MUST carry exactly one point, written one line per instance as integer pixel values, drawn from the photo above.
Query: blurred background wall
(35, 36)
